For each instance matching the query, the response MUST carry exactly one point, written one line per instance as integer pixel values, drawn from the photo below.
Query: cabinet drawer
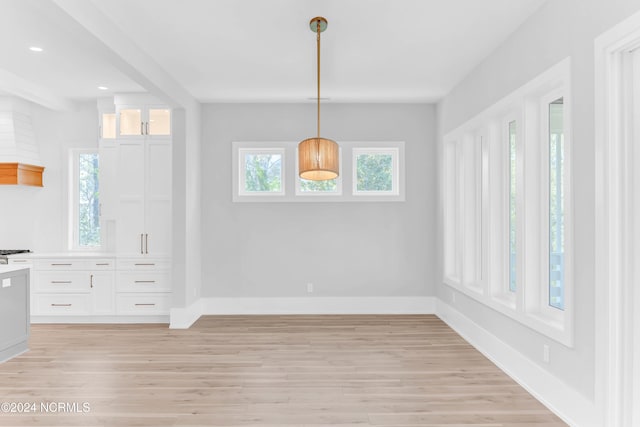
(140, 264)
(100, 264)
(143, 304)
(143, 281)
(64, 304)
(65, 264)
(21, 261)
(62, 281)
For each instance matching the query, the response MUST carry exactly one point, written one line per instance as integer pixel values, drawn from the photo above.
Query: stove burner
(13, 251)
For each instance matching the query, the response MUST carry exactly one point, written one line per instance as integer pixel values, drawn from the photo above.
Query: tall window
(529, 247)
(512, 206)
(85, 200)
(556, 204)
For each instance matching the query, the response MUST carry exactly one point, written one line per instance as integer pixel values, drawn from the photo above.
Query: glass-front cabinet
(143, 121)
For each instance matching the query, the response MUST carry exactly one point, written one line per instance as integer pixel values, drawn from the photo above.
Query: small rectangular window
(556, 204)
(512, 206)
(85, 200)
(375, 171)
(261, 171)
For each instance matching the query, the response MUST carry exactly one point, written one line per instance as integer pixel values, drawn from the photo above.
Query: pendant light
(318, 157)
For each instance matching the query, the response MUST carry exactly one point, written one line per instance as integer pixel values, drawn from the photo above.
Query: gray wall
(559, 29)
(344, 249)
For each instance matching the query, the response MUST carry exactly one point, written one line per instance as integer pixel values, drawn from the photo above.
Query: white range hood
(19, 158)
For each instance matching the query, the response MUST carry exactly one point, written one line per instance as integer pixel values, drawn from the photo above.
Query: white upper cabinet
(138, 121)
(144, 191)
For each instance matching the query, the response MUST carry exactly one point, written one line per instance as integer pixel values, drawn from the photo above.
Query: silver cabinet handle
(148, 305)
(60, 264)
(144, 263)
(102, 263)
(58, 282)
(60, 305)
(147, 128)
(91, 280)
(141, 128)
(146, 243)
(144, 281)
(18, 260)
(141, 251)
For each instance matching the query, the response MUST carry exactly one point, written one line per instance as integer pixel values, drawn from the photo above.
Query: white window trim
(74, 214)
(526, 305)
(395, 154)
(289, 169)
(614, 320)
(241, 166)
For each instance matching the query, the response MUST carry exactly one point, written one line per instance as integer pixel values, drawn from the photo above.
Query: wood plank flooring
(264, 371)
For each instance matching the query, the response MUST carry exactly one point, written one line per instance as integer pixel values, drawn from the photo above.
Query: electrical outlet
(545, 353)
(310, 288)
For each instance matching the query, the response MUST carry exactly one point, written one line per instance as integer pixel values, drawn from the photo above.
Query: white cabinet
(144, 286)
(148, 120)
(73, 286)
(143, 225)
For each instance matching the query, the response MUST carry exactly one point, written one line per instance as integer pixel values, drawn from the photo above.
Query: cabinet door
(130, 122)
(102, 292)
(131, 188)
(158, 199)
(158, 121)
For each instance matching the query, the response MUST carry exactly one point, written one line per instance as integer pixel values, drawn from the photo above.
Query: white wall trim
(614, 278)
(183, 318)
(320, 305)
(568, 404)
(100, 319)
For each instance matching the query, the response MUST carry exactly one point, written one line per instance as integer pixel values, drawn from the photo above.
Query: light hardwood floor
(265, 371)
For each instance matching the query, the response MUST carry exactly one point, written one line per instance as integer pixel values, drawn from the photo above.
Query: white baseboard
(320, 305)
(575, 409)
(185, 317)
(100, 319)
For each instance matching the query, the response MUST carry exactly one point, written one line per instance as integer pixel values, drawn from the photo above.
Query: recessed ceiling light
(35, 49)
(103, 88)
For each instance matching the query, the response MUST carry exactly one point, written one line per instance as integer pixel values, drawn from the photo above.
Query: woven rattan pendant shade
(318, 158)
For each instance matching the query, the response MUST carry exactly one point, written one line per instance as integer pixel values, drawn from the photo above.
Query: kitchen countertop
(36, 255)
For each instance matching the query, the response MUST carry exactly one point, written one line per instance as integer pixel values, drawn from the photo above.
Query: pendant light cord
(318, 55)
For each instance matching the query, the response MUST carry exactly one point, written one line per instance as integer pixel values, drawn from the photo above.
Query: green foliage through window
(263, 172)
(556, 204)
(326, 186)
(374, 172)
(88, 201)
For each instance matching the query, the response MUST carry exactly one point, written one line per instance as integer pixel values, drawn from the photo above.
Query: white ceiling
(255, 50)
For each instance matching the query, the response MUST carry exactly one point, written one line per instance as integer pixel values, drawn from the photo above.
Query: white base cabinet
(144, 286)
(105, 289)
(73, 286)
